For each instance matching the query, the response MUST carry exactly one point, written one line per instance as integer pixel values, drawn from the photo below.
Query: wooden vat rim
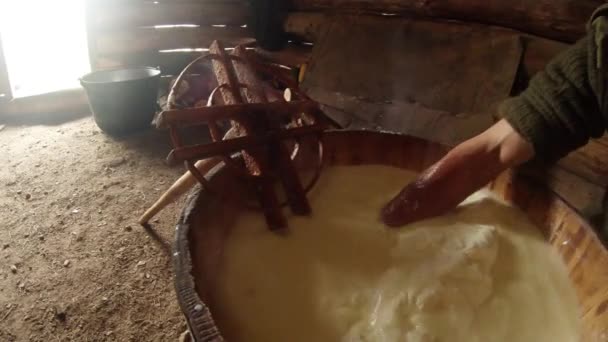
(198, 314)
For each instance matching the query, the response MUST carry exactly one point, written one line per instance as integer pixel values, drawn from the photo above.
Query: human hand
(464, 170)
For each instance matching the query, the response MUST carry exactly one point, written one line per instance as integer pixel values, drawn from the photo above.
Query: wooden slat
(556, 19)
(197, 116)
(144, 39)
(292, 55)
(202, 151)
(256, 160)
(170, 63)
(121, 14)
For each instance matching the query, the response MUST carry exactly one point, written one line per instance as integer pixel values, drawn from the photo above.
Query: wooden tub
(198, 247)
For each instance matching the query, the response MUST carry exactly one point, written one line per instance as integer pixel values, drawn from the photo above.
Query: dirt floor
(74, 264)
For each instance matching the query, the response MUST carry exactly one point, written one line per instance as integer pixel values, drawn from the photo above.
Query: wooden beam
(292, 55)
(146, 39)
(127, 14)
(201, 151)
(173, 62)
(197, 116)
(562, 20)
(170, 63)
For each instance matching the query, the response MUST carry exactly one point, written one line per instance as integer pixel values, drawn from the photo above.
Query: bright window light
(175, 26)
(45, 44)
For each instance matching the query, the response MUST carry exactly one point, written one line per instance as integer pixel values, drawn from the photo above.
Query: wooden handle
(181, 186)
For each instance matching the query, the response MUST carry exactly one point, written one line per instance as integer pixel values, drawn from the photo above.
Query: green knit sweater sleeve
(564, 105)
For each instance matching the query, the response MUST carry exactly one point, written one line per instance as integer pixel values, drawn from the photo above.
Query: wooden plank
(150, 39)
(562, 20)
(229, 146)
(538, 51)
(197, 116)
(255, 159)
(173, 62)
(128, 14)
(401, 117)
(451, 67)
(170, 63)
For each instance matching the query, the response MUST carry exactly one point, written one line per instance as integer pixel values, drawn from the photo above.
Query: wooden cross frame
(259, 130)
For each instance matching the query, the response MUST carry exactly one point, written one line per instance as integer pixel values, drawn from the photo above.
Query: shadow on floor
(156, 143)
(47, 119)
(162, 244)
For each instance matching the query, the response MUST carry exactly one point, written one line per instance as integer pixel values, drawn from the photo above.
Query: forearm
(562, 108)
(564, 105)
(479, 160)
(465, 169)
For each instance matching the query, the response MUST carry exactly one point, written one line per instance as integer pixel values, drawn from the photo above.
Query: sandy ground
(74, 264)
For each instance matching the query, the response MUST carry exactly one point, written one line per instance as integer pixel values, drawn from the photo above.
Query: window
(44, 44)
(5, 87)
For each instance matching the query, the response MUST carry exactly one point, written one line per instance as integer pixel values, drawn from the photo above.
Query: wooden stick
(181, 186)
(255, 159)
(196, 116)
(296, 196)
(233, 145)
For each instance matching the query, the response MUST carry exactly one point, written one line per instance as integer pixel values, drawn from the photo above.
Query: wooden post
(255, 159)
(255, 94)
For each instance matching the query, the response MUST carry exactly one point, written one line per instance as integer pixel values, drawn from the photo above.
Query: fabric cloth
(566, 104)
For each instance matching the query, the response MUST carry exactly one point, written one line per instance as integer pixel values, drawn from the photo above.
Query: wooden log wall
(309, 26)
(5, 87)
(164, 33)
(562, 20)
(582, 176)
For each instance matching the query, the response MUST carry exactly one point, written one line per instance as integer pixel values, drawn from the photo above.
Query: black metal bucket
(122, 100)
